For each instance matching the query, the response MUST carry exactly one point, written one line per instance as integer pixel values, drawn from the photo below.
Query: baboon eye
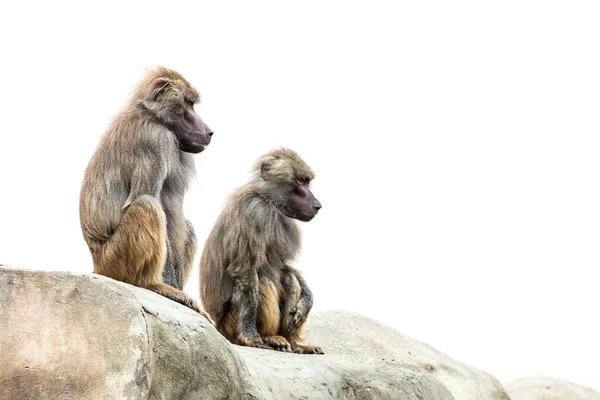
(189, 103)
(304, 180)
(300, 191)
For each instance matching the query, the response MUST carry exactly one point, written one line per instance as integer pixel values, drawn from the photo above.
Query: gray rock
(74, 336)
(352, 336)
(548, 389)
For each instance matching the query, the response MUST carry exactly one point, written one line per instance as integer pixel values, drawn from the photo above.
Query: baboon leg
(291, 297)
(245, 302)
(269, 316)
(178, 267)
(268, 312)
(191, 246)
(296, 307)
(137, 250)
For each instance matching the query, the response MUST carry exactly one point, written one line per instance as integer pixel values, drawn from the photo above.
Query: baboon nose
(208, 130)
(317, 206)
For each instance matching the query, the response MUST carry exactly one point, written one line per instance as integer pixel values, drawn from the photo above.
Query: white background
(455, 143)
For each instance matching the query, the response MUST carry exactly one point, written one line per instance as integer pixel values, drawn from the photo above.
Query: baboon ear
(160, 88)
(272, 169)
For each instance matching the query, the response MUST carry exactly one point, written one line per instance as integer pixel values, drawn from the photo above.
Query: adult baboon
(246, 283)
(131, 203)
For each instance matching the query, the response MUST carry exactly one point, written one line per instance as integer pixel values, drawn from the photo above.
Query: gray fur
(252, 244)
(145, 153)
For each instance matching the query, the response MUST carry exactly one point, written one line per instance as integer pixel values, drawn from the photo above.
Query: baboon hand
(296, 320)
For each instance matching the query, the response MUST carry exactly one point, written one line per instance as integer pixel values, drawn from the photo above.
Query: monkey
(247, 285)
(131, 200)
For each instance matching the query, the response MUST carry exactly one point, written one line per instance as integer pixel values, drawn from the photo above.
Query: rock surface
(354, 337)
(73, 336)
(549, 389)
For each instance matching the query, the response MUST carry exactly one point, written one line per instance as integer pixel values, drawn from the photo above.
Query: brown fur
(246, 283)
(131, 204)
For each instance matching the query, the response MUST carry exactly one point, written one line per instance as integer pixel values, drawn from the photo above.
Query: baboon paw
(260, 345)
(303, 349)
(205, 315)
(190, 303)
(278, 343)
(296, 321)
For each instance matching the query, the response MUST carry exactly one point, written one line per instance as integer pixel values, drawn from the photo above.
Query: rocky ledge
(78, 336)
(84, 336)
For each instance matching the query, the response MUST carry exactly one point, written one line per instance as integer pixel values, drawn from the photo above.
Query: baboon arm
(148, 175)
(297, 306)
(245, 299)
(306, 296)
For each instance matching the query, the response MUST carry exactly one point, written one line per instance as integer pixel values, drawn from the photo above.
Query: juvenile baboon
(246, 282)
(131, 203)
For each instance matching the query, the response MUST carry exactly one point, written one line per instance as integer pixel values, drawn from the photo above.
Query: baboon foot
(194, 306)
(249, 342)
(191, 303)
(305, 349)
(179, 297)
(278, 343)
(205, 315)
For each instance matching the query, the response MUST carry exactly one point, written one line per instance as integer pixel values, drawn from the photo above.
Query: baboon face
(172, 103)
(287, 178)
(191, 132)
(302, 204)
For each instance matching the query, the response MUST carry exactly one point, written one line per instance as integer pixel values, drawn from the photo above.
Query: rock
(276, 375)
(84, 336)
(549, 389)
(354, 337)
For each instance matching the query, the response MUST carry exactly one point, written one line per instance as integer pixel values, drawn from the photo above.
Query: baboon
(131, 202)
(246, 282)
